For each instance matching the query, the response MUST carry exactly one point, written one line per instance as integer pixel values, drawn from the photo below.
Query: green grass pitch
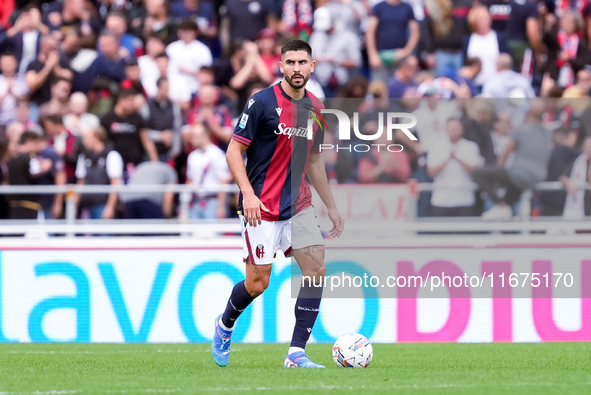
(502, 368)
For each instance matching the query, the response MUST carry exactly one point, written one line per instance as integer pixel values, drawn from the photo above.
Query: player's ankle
(294, 349)
(225, 327)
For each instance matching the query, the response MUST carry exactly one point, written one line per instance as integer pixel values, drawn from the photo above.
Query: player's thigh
(307, 243)
(258, 274)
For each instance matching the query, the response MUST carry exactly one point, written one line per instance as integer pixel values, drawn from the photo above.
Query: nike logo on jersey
(278, 109)
(250, 103)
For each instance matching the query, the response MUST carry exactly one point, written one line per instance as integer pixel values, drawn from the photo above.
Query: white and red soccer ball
(352, 351)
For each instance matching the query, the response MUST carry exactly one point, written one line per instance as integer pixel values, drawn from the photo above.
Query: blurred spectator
(207, 168)
(12, 88)
(23, 37)
(403, 81)
(130, 45)
(88, 65)
(531, 143)
(43, 70)
(507, 83)
(70, 46)
(21, 123)
(24, 168)
(60, 16)
(575, 177)
(99, 164)
(249, 69)
(348, 15)
(523, 34)
(128, 131)
(202, 12)
(65, 144)
(478, 120)
(387, 37)
(155, 19)
(583, 81)
(52, 205)
(164, 122)
(187, 56)
(383, 166)
(560, 165)
(484, 43)
(149, 71)
(433, 113)
(501, 135)
(267, 49)
(446, 25)
(214, 117)
(567, 51)
(499, 11)
(450, 160)
(132, 81)
(246, 18)
(78, 120)
(59, 99)
(150, 205)
(336, 52)
(467, 74)
(297, 18)
(162, 62)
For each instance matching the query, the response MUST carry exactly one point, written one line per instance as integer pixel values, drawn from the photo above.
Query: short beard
(297, 86)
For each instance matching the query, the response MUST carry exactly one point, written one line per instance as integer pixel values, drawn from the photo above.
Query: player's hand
(252, 209)
(338, 222)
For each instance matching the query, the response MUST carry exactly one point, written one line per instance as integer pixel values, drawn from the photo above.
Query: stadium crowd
(148, 91)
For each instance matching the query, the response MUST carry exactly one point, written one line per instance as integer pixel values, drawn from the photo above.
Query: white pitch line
(111, 352)
(322, 386)
(52, 392)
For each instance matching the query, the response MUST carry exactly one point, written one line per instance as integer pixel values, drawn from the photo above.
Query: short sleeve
(250, 121)
(473, 154)
(375, 11)
(171, 176)
(222, 169)
(191, 173)
(114, 165)
(532, 9)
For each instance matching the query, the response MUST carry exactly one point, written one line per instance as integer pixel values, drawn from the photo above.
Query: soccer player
(275, 200)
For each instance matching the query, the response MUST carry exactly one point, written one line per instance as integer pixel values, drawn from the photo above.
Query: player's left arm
(317, 174)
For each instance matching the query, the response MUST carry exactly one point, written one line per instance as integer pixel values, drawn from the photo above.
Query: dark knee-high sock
(239, 300)
(306, 310)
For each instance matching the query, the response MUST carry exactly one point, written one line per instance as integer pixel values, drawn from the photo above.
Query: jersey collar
(289, 97)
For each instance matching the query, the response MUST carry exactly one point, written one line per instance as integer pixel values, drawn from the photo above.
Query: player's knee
(257, 287)
(317, 273)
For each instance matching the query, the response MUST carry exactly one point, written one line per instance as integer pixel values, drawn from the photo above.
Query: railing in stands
(183, 226)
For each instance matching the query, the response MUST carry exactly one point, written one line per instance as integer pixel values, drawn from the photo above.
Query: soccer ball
(352, 351)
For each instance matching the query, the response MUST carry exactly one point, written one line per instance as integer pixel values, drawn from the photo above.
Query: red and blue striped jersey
(275, 128)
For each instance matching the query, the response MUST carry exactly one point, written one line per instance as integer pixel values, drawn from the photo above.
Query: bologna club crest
(260, 251)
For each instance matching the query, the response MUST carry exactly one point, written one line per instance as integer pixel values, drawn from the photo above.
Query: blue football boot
(220, 347)
(299, 359)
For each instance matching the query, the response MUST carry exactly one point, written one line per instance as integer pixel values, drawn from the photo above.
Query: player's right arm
(251, 205)
(251, 119)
